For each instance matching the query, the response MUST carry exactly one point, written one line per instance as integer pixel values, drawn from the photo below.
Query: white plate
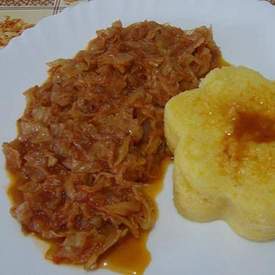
(245, 31)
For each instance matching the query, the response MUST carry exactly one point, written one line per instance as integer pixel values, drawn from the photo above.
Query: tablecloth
(18, 15)
(32, 11)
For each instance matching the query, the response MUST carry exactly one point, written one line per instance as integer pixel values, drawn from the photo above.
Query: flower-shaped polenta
(223, 138)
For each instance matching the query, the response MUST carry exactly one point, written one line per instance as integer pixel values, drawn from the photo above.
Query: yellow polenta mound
(223, 138)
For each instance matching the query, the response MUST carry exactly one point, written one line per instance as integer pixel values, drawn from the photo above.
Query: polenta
(222, 135)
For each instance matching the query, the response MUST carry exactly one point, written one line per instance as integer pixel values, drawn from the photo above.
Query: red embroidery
(27, 3)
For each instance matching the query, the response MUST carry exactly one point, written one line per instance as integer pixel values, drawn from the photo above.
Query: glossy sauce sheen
(248, 127)
(254, 127)
(131, 256)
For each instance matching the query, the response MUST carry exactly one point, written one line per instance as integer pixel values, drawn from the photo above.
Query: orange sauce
(249, 127)
(14, 194)
(254, 127)
(131, 256)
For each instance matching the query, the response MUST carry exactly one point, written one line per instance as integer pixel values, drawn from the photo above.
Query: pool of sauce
(131, 256)
(248, 128)
(254, 127)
